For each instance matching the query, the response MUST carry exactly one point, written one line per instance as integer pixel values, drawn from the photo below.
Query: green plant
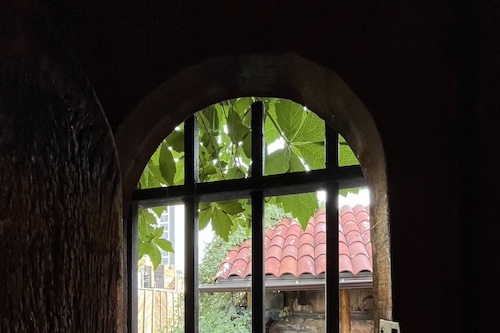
(227, 312)
(285, 313)
(225, 153)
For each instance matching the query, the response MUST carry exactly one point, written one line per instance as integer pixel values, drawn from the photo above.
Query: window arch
(286, 76)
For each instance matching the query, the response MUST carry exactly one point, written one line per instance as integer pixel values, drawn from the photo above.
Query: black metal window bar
(257, 187)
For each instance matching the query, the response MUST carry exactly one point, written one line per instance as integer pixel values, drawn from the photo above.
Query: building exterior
(295, 265)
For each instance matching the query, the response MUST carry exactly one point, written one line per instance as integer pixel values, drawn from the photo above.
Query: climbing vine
(294, 141)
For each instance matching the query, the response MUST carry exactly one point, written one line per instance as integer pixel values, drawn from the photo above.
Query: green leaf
(234, 173)
(156, 156)
(289, 116)
(165, 245)
(167, 165)
(147, 217)
(312, 129)
(179, 175)
(209, 169)
(278, 162)
(212, 117)
(271, 201)
(344, 192)
(159, 211)
(155, 256)
(301, 206)
(313, 155)
(346, 155)
(271, 133)
(151, 176)
(221, 223)
(145, 230)
(241, 154)
(236, 129)
(144, 248)
(247, 145)
(231, 207)
(204, 215)
(176, 141)
(157, 233)
(295, 163)
(242, 104)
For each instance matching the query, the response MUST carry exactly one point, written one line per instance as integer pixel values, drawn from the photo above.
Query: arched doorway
(286, 76)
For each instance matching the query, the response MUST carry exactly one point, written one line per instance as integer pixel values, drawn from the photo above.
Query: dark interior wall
(60, 191)
(414, 65)
(428, 72)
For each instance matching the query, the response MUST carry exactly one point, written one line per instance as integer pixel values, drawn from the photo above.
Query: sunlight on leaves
(225, 153)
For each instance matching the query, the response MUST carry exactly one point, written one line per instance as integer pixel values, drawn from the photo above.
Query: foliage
(227, 312)
(225, 153)
(285, 313)
(150, 236)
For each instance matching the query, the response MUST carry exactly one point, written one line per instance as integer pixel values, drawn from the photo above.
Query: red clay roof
(291, 250)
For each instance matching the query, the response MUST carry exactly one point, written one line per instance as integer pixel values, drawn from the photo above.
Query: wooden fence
(160, 311)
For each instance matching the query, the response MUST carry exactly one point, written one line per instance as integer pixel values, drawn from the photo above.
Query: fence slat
(159, 309)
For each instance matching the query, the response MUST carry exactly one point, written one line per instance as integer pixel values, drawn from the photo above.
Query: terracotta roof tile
(320, 265)
(319, 250)
(360, 263)
(291, 250)
(273, 266)
(320, 238)
(343, 249)
(239, 268)
(288, 265)
(292, 240)
(306, 264)
(274, 252)
(345, 264)
(306, 250)
(277, 241)
(306, 239)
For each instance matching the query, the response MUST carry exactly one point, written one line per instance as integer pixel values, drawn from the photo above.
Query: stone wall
(309, 325)
(303, 311)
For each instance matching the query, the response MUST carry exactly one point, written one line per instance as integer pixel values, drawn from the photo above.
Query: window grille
(256, 187)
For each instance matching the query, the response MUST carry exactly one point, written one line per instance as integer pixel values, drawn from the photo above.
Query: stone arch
(284, 76)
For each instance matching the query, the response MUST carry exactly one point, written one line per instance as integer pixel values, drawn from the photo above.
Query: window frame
(332, 178)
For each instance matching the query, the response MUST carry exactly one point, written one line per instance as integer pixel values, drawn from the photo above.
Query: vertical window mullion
(332, 235)
(258, 282)
(191, 226)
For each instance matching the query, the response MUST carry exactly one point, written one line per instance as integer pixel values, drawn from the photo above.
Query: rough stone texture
(302, 325)
(60, 196)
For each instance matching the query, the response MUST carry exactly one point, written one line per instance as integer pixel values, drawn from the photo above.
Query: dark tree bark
(60, 196)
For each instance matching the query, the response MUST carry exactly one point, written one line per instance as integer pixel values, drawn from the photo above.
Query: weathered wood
(345, 311)
(60, 197)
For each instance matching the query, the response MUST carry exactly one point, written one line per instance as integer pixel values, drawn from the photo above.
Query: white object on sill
(387, 326)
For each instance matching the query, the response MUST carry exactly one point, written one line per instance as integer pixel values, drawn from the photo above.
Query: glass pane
(346, 155)
(161, 269)
(295, 263)
(294, 137)
(225, 140)
(166, 165)
(225, 267)
(355, 257)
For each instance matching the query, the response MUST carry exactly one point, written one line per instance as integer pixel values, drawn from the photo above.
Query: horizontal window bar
(283, 184)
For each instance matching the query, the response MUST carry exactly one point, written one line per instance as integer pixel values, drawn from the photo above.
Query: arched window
(287, 76)
(223, 166)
